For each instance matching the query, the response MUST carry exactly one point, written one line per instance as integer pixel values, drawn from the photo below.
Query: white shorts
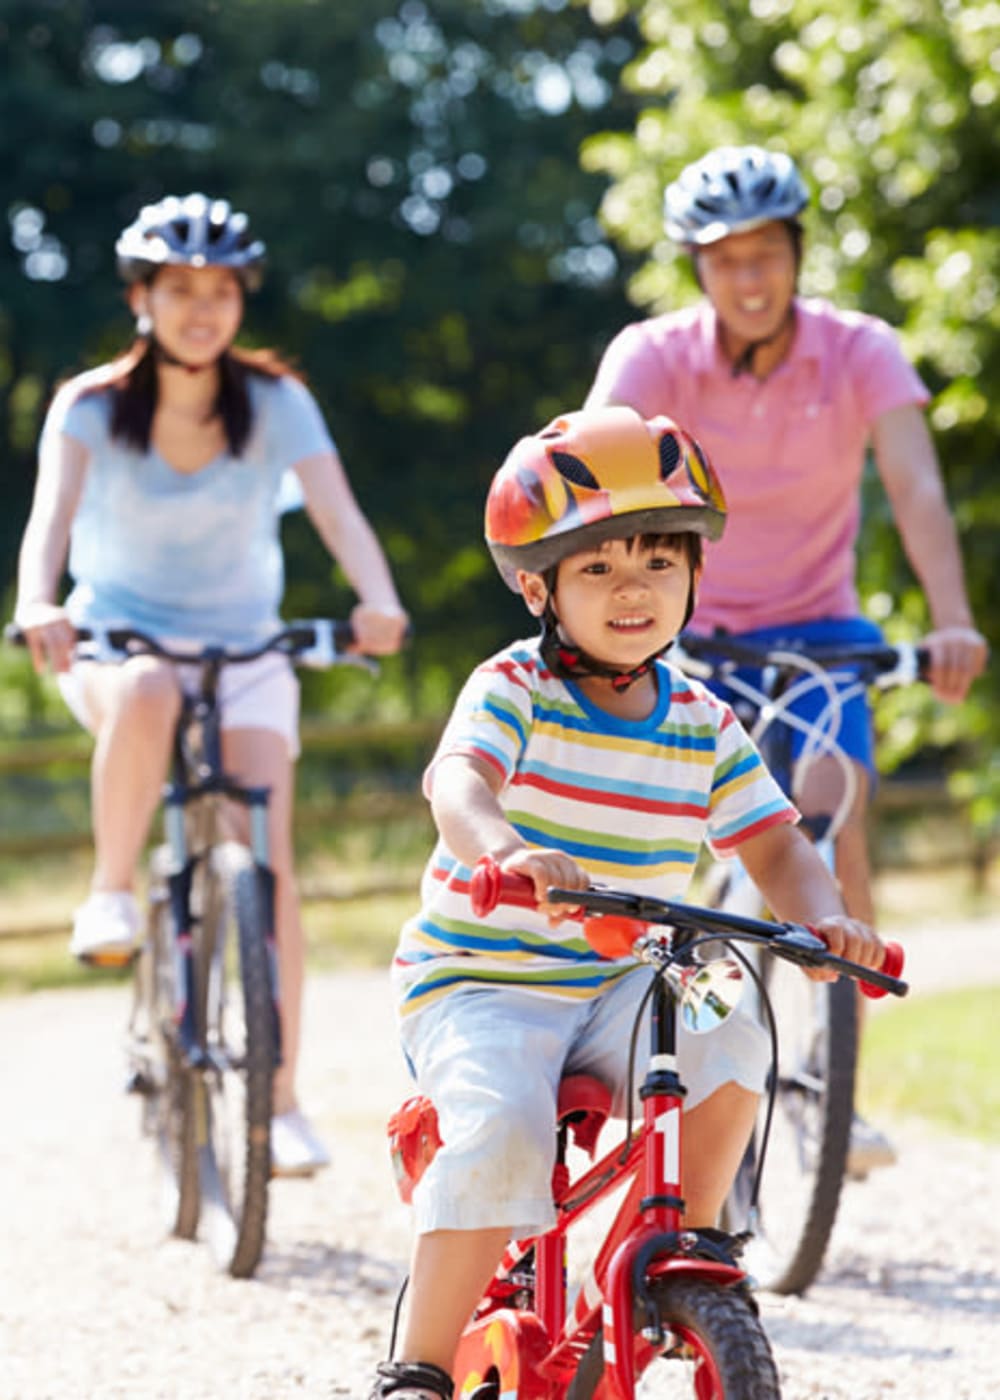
(261, 694)
(491, 1060)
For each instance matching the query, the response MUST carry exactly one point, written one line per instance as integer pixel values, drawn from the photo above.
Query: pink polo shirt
(789, 450)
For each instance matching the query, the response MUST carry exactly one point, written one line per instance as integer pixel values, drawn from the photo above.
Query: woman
(161, 475)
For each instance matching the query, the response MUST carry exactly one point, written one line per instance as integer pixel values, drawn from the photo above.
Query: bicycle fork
(657, 1246)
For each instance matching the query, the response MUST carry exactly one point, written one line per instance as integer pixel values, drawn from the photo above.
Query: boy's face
(619, 602)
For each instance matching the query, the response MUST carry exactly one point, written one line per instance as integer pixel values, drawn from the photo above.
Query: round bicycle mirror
(712, 992)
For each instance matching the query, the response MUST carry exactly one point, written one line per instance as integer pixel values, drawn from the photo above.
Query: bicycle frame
(535, 1352)
(193, 819)
(523, 1338)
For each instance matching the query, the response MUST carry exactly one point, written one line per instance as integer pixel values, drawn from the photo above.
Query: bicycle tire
(161, 1076)
(240, 1036)
(717, 1350)
(810, 1136)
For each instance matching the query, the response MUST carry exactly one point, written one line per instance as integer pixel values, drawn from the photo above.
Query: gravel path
(94, 1303)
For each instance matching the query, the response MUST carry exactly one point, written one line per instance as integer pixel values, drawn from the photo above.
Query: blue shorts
(854, 733)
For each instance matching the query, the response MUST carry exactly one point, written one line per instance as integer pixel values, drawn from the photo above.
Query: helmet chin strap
(570, 662)
(164, 357)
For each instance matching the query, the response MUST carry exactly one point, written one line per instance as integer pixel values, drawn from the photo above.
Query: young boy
(576, 757)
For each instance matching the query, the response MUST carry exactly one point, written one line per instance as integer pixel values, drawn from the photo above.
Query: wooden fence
(914, 822)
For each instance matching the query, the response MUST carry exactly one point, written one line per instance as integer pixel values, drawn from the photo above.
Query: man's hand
(958, 655)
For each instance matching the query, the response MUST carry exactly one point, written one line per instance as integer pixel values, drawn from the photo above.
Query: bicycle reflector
(413, 1140)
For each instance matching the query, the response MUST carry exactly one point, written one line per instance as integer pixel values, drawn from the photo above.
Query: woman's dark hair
(134, 391)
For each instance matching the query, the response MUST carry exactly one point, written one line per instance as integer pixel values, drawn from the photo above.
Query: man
(786, 395)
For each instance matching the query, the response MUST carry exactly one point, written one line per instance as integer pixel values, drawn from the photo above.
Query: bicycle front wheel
(810, 1131)
(715, 1349)
(158, 1070)
(240, 1035)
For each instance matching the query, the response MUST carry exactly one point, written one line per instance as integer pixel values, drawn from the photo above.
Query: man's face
(750, 280)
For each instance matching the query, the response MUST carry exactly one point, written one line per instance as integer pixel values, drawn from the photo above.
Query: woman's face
(195, 311)
(750, 280)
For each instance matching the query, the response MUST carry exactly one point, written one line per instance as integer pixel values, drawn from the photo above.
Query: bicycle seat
(584, 1104)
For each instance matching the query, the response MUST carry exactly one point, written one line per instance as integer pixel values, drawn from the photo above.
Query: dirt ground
(95, 1303)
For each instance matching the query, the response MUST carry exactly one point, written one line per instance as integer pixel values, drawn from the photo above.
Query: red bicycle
(653, 1291)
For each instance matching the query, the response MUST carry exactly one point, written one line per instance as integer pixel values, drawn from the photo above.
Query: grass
(938, 1059)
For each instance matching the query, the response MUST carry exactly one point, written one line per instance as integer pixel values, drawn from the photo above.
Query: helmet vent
(574, 470)
(670, 455)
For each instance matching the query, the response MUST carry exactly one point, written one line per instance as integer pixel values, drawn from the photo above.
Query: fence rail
(937, 828)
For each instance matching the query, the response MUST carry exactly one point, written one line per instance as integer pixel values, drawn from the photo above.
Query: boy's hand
(547, 868)
(850, 939)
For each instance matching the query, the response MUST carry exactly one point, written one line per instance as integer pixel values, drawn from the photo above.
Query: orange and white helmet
(593, 475)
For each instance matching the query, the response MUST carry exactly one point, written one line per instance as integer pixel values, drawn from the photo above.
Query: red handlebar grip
(892, 966)
(489, 885)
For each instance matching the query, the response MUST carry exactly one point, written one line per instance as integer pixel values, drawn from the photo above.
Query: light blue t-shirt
(185, 555)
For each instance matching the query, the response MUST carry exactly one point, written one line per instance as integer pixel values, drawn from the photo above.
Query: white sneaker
(106, 928)
(868, 1149)
(295, 1148)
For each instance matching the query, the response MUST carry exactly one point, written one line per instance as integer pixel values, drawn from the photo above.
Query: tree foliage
(436, 267)
(892, 113)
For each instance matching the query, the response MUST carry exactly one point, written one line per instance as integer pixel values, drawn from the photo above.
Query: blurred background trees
(436, 266)
(462, 203)
(892, 112)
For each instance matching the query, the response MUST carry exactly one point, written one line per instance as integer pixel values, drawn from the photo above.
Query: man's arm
(909, 469)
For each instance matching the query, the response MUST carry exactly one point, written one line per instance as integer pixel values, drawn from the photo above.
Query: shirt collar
(707, 358)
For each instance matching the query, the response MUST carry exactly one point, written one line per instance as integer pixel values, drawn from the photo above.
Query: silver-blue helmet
(192, 231)
(731, 190)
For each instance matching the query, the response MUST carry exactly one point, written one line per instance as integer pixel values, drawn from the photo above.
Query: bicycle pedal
(139, 1082)
(110, 961)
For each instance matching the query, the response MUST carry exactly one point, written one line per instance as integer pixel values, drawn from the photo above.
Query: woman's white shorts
(261, 694)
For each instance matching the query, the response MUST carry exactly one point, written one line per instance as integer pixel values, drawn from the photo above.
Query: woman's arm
(379, 619)
(62, 470)
(909, 468)
(793, 878)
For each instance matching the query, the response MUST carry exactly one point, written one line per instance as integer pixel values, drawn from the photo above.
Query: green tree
(436, 266)
(892, 113)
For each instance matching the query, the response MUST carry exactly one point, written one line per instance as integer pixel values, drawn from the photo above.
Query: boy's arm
(793, 878)
(467, 811)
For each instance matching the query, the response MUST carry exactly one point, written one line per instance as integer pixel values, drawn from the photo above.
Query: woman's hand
(545, 868)
(49, 634)
(379, 631)
(850, 939)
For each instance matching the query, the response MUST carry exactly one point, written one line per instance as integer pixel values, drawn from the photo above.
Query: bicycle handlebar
(614, 919)
(883, 663)
(317, 643)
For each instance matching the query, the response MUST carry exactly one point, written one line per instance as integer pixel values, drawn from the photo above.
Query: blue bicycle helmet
(731, 190)
(193, 231)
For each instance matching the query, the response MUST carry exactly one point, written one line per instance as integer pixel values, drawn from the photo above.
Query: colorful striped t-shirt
(632, 801)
